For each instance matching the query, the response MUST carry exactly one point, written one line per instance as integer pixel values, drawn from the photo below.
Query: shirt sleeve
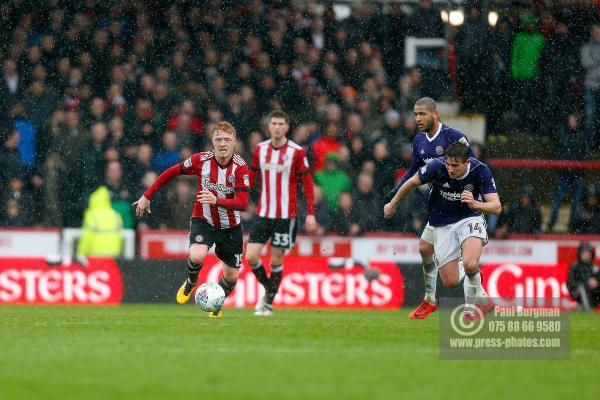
(302, 162)
(242, 179)
(460, 137)
(428, 172)
(488, 185)
(162, 180)
(303, 170)
(191, 166)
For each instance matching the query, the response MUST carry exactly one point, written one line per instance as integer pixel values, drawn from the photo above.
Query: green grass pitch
(169, 351)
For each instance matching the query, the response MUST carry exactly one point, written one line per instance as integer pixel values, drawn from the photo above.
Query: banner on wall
(34, 281)
(535, 283)
(319, 282)
(174, 245)
(406, 250)
(29, 242)
(156, 245)
(323, 282)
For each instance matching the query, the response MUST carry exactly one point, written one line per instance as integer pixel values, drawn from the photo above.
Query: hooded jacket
(102, 227)
(580, 271)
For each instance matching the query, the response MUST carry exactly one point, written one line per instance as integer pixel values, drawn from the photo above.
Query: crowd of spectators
(542, 64)
(112, 93)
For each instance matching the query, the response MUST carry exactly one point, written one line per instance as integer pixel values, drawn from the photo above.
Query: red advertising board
(307, 282)
(530, 282)
(34, 281)
(311, 282)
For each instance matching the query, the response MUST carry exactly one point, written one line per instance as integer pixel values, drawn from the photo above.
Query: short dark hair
(428, 102)
(458, 150)
(278, 114)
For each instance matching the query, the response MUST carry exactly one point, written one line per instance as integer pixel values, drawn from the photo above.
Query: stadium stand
(110, 93)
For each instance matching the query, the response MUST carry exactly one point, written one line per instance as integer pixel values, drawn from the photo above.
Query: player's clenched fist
(467, 197)
(206, 197)
(389, 210)
(310, 224)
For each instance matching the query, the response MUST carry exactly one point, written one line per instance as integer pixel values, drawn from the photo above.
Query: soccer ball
(210, 297)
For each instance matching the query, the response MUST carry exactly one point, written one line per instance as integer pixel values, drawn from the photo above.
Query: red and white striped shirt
(280, 171)
(229, 183)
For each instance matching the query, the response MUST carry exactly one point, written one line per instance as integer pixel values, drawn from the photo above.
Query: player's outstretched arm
(143, 204)
(390, 208)
(413, 167)
(490, 206)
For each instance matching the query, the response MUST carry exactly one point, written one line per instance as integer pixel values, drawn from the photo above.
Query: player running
(223, 186)
(430, 143)
(281, 164)
(458, 183)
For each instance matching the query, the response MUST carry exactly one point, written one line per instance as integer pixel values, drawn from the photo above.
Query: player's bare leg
(272, 287)
(253, 251)
(429, 303)
(450, 275)
(429, 270)
(475, 296)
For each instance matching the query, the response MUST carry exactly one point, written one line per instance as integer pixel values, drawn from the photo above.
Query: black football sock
(274, 282)
(260, 273)
(193, 271)
(227, 286)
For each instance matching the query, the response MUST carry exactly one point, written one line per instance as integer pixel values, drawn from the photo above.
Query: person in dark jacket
(523, 216)
(426, 21)
(322, 213)
(559, 71)
(573, 143)
(10, 164)
(588, 219)
(472, 47)
(583, 280)
(365, 200)
(345, 221)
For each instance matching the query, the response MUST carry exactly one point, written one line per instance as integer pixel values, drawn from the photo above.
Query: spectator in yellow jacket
(102, 227)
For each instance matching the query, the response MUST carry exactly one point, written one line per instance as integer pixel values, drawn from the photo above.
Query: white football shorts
(447, 240)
